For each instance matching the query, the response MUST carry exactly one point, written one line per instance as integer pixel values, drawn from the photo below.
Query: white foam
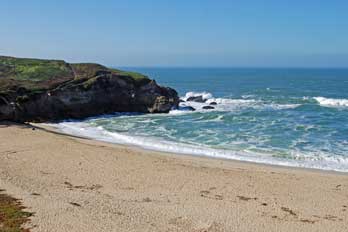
(317, 161)
(332, 102)
(227, 104)
(179, 112)
(205, 95)
(284, 106)
(232, 101)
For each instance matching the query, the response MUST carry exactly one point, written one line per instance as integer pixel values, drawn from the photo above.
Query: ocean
(289, 117)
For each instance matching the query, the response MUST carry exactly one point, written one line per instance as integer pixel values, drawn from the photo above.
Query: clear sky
(272, 33)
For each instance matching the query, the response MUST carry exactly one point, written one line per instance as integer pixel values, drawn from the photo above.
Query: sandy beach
(75, 184)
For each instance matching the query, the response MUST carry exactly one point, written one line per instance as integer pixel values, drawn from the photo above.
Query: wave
(284, 106)
(332, 102)
(296, 159)
(170, 132)
(205, 95)
(227, 104)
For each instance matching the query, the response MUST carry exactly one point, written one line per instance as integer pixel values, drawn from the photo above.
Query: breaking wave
(253, 127)
(309, 160)
(332, 102)
(227, 104)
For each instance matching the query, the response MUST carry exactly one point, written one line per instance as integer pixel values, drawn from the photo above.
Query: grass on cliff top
(92, 71)
(33, 69)
(42, 70)
(83, 70)
(12, 214)
(87, 70)
(37, 75)
(137, 77)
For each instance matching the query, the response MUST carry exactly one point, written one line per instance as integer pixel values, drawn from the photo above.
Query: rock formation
(49, 90)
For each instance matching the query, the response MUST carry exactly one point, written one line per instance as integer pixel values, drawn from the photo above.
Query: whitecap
(205, 95)
(284, 106)
(332, 102)
(227, 104)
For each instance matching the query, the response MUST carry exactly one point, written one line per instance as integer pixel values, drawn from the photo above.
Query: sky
(179, 33)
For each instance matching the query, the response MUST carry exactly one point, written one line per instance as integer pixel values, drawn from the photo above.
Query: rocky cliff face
(48, 90)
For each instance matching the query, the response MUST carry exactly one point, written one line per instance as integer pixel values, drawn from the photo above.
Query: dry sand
(75, 184)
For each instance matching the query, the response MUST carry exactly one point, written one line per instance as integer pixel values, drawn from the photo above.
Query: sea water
(291, 117)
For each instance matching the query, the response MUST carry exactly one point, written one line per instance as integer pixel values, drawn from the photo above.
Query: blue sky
(273, 33)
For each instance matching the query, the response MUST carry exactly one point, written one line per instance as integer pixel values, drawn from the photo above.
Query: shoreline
(78, 184)
(51, 129)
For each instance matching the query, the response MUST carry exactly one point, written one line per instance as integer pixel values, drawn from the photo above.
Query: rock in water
(187, 108)
(46, 90)
(197, 99)
(213, 103)
(208, 107)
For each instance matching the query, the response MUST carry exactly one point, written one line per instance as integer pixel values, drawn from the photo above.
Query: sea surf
(289, 117)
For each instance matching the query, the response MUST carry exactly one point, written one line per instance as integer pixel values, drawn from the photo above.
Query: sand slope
(75, 184)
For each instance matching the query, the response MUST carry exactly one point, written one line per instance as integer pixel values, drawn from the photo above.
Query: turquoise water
(293, 117)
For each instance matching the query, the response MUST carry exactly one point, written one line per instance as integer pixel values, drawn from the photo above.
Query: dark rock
(180, 100)
(197, 99)
(59, 90)
(188, 108)
(213, 103)
(208, 107)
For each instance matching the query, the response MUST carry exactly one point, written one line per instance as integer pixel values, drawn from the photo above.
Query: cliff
(49, 90)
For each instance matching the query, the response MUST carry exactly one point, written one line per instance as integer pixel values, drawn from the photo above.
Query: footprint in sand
(243, 198)
(82, 187)
(208, 194)
(75, 204)
(291, 212)
(147, 199)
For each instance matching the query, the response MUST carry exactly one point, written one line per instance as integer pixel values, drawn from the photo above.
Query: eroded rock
(59, 90)
(197, 99)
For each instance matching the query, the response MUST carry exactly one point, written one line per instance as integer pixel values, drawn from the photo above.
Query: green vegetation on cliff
(36, 74)
(44, 90)
(137, 77)
(33, 69)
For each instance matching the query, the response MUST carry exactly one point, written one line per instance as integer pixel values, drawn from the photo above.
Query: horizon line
(234, 67)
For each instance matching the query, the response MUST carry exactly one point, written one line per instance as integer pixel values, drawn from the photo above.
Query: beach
(76, 184)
